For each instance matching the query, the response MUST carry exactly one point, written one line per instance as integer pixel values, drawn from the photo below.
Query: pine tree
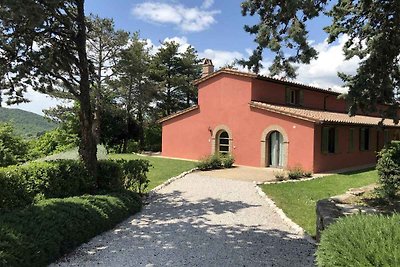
(374, 37)
(46, 44)
(134, 89)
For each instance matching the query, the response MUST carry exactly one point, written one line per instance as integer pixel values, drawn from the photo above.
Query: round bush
(388, 167)
(361, 240)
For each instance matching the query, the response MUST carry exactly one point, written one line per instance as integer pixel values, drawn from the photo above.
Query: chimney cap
(207, 61)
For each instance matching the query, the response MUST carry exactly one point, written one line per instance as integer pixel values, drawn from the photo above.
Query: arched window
(223, 142)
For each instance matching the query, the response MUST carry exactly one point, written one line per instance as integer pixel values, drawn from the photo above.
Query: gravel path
(199, 221)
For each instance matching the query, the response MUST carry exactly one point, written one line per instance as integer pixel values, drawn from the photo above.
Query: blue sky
(215, 29)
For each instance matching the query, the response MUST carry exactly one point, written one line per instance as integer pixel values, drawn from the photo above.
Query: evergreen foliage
(40, 234)
(388, 167)
(373, 37)
(361, 240)
(13, 149)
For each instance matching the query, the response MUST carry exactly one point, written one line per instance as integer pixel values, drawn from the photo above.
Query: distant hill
(26, 123)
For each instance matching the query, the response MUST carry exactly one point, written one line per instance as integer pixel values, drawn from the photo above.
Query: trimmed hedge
(361, 240)
(216, 161)
(20, 185)
(40, 234)
(23, 185)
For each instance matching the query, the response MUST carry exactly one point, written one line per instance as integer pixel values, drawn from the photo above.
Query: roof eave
(283, 113)
(177, 114)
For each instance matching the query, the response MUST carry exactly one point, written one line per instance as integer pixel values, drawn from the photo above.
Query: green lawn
(162, 169)
(298, 200)
(74, 154)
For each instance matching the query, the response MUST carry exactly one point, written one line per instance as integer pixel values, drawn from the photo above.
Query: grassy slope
(162, 169)
(74, 154)
(27, 124)
(298, 200)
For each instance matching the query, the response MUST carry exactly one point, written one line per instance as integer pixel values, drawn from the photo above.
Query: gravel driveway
(199, 221)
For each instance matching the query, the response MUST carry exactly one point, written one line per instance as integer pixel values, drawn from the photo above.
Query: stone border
(298, 230)
(153, 191)
(294, 181)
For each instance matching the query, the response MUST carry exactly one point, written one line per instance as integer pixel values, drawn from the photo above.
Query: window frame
(329, 134)
(294, 96)
(228, 145)
(365, 143)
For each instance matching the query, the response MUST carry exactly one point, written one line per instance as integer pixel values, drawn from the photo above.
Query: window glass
(223, 142)
(364, 139)
(329, 140)
(294, 96)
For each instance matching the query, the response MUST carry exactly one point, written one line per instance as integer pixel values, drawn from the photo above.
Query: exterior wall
(344, 158)
(274, 93)
(192, 135)
(224, 104)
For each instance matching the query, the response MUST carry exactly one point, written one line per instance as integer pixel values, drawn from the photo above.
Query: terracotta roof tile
(178, 113)
(320, 116)
(264, 78)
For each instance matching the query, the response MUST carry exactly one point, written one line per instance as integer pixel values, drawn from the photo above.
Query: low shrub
(110, 175)
(280, 175)
(135, 174)
(210, 163)
(23, 185)
(40, 234)
(361, 240)
(388, 167)
(227, 160)
(298, 173)
(295, 173)
(308, 174)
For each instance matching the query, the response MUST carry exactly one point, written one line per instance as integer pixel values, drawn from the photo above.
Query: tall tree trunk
(97, 96)
(87, 147)
(128, 114)
(141, 127)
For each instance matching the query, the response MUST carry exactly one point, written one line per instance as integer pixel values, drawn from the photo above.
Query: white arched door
(275, 149)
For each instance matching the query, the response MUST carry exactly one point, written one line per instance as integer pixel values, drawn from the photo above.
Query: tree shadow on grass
(358, 171)
(172, 231)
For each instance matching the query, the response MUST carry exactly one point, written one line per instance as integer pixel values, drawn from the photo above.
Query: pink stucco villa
(269, 122)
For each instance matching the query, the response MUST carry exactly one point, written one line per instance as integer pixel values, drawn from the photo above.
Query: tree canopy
(44, 43)
(373, 31)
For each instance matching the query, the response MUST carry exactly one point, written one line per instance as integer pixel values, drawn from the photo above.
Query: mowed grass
(298, 200)
(74, 154)
(162, 169)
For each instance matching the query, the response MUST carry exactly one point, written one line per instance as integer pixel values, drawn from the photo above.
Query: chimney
(208, 67)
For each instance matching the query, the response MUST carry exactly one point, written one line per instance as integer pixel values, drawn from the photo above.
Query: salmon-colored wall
(275, 93)
(224, 100)
(269, 92)
(345, 158)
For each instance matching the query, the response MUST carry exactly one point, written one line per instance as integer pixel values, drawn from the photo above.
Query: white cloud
(221, 57)
(186, 19)
(182, 41)
(38, 103)
(207, 4)
(322, 72)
